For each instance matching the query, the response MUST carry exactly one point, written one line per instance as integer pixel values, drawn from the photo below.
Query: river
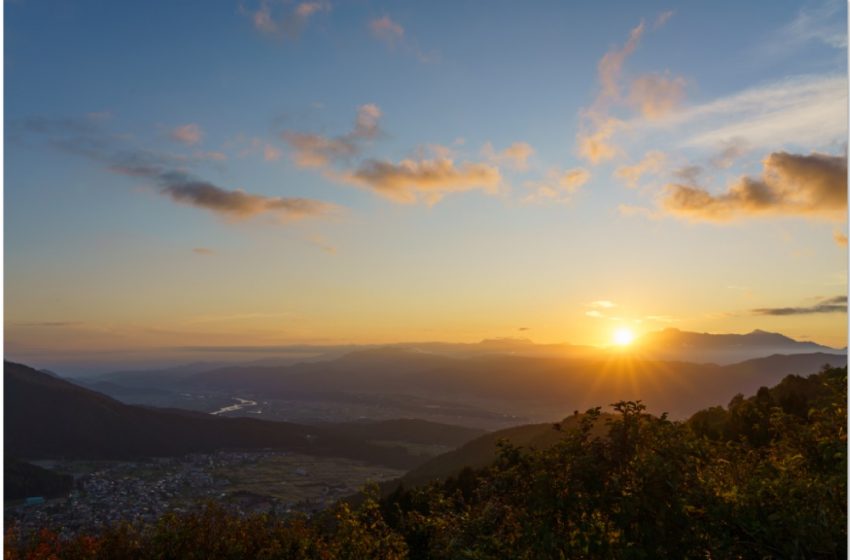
(243, 403)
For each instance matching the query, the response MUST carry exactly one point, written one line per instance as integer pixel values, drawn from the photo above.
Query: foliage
(763, 478)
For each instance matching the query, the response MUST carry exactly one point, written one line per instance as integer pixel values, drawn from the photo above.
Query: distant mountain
(532, 386)
(46, 417)
(673, 344)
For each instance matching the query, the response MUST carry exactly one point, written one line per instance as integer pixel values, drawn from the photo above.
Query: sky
(270, 172)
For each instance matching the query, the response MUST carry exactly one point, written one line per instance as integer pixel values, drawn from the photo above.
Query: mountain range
(539, 383)
(49, 418)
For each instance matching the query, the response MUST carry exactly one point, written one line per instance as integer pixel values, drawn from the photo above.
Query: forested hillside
(764, 477)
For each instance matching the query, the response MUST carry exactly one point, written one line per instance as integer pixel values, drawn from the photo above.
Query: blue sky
(383, 171)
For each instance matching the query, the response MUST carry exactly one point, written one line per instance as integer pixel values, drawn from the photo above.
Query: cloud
(731, 150)
(211, 156)
(276, 19)
(558, 185)
(689, 173)
(594, 144)
(652, 163)
(189, 134)
(323, 244)
(804, 110)
(611, 66)
(812, 186)
(315, 150)
(386, 30)
(410, 180)
(203, 251)
(602, 304)
(662, 18)
(516, 155)
(840, 238)
(656, 96)
(653, 95)
(393, 35)
(836, 304)
(270, 153)
(236, 204)
(825, 24)
(257, 146)
(81, 137)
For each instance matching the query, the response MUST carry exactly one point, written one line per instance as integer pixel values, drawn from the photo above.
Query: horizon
(92, 364)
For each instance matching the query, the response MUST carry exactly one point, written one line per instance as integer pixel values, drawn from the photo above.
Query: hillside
(22, 480)
(46, 417)
(483, 450)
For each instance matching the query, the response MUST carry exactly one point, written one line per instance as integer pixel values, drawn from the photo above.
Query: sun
(623, 336)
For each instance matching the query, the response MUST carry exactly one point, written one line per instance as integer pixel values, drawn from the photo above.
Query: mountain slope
(47, 417)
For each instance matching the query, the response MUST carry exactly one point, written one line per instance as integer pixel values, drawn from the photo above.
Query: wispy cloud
(322, 243)
(652, 95)
(282, 20)
(840, 238)
(203, 251)
(256, 146)
(598, 126)
(84, 138)
(836, 304)
(210, 156)
(652, 163)
(825, 23)
(387, 30)
(730, 151)
(813, 186)
(316, 150)
(393, 35)
(189, 134)
(516, 155)
(557, 186)
(662, 19)
(655, 96)
(270, 153)
(806, 111)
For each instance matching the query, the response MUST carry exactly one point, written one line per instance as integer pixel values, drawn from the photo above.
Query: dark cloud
(812, 185)
(84, 138)
(236, 204)
(836, 304)
(689, 174)
(315, 150)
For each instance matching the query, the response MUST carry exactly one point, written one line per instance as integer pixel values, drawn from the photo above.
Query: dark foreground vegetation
(763, 478)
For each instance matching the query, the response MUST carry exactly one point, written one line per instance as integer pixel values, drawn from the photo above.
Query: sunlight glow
(623, 336)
